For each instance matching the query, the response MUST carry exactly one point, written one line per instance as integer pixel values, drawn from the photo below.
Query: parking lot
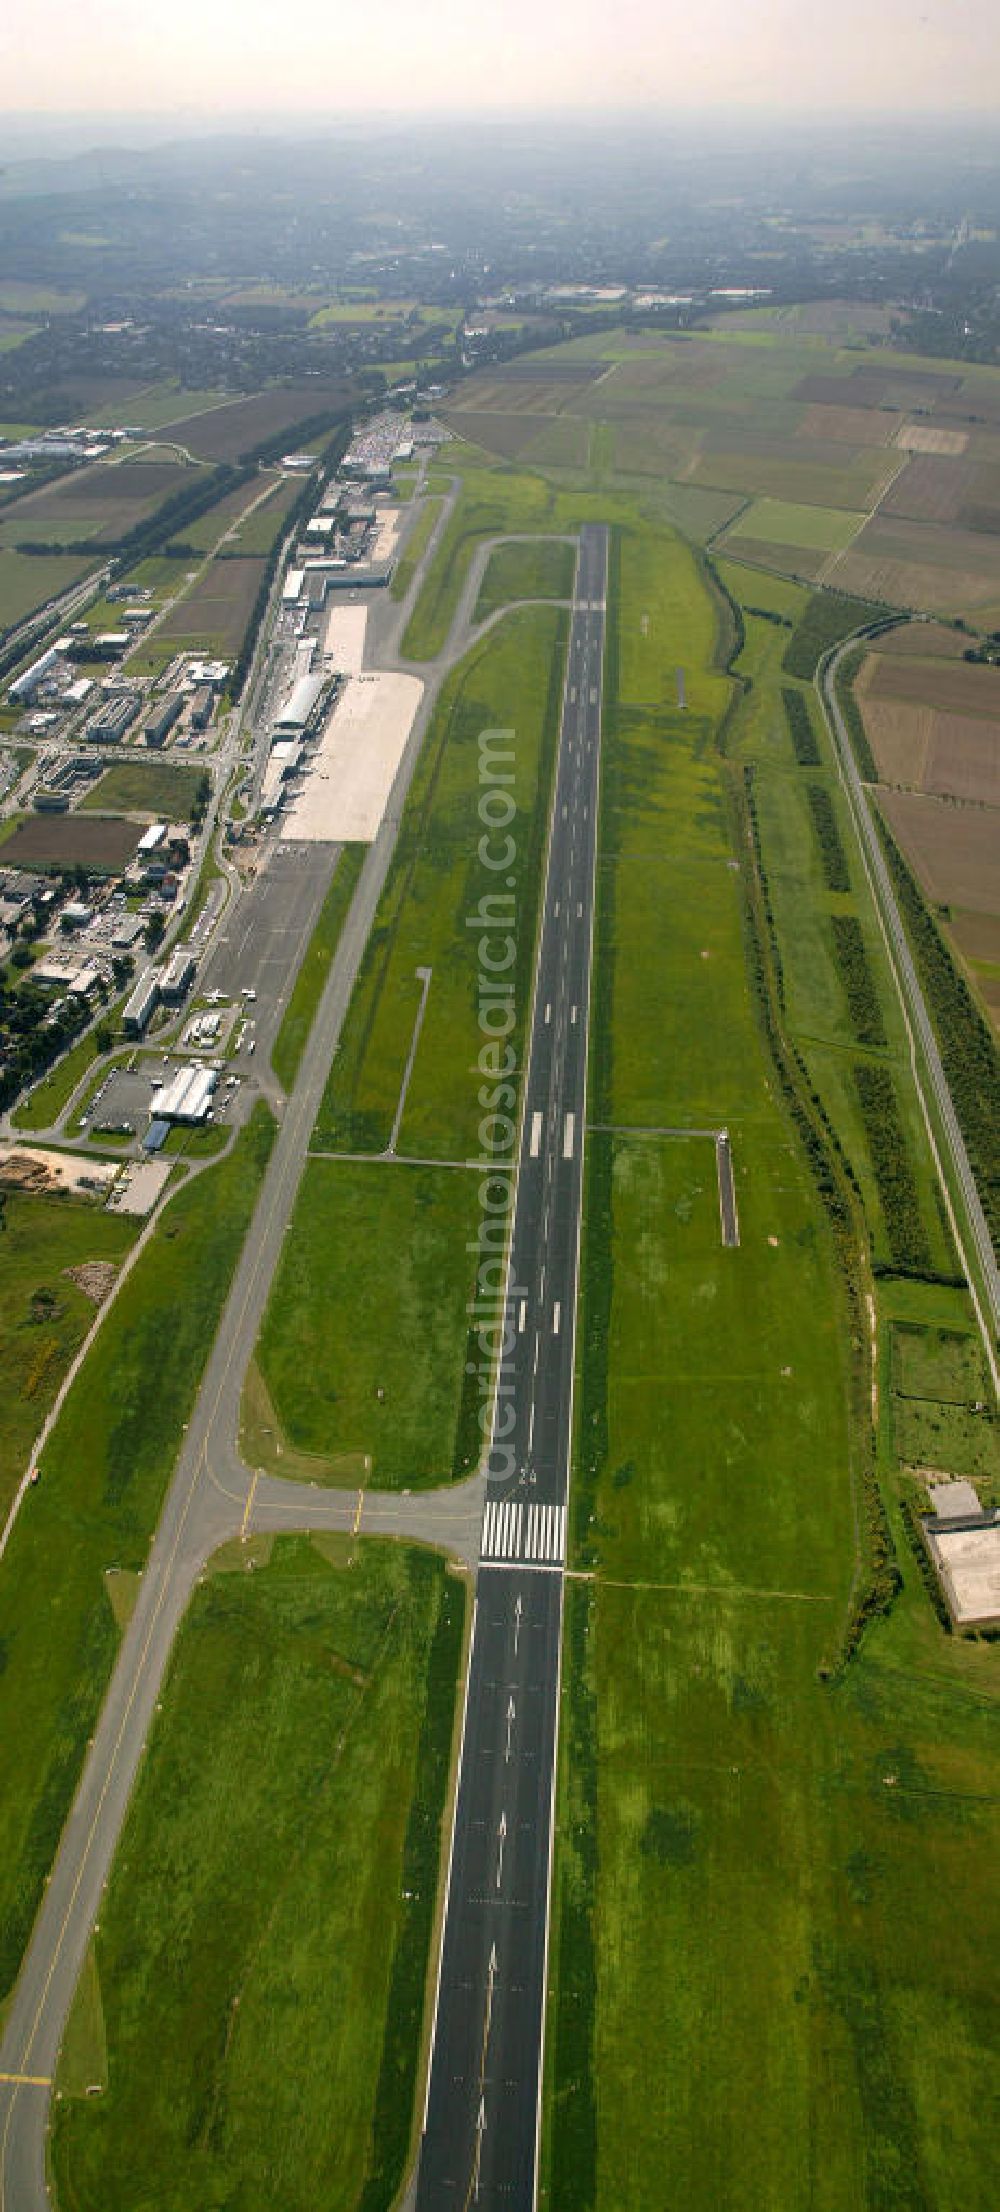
(126, 1102)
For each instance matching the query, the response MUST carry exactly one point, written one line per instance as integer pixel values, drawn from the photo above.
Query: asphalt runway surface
(480, 2134)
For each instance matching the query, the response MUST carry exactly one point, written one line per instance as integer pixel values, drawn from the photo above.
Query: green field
(488, 505)
(363, 1344)
(159, 790)
(44, 1315)
(415, 545)
(543, 571)
(27, 582)
(512, 677)
(281, 1855)
(746, 1852)
(45, 1101)
(104, 1471)
(311, 975)
(781, 522)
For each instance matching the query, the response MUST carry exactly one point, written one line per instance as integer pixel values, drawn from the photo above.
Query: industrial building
(109, 724)
(152, 837)
(292, 588)
(75, 694)
(201, 707)
(24, 688)
(161, 722)
(189, 1097)
(178, 977)
(139, 1008)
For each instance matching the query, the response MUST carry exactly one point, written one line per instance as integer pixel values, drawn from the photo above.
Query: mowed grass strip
(104, 1472)
(488, 505)
(509, 683)
(262, 1958)
(44, 1315)
(307, 989)
(749, 1864)
(542, 571)
(417, 540)
(363, 1343)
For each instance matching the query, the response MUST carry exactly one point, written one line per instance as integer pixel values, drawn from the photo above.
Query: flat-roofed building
(139, 1008)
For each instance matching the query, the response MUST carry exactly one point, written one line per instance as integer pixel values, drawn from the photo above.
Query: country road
(984, 1278)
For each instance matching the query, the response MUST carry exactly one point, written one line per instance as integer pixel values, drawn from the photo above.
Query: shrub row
(890, 1158)
(836, 872)
(805, 743)
(858, 981)
(915, 1539)
(968, 1051)
(853, 717)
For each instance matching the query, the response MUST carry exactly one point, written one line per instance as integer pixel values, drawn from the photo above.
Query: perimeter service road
(212, 1496)
(481, 2122)
(913, 999)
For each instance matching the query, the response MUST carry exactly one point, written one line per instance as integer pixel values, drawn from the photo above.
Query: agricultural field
(211, 618)
(101, 503)
(229, 432)
(248, 520)
(44, 1311)
(28, 581)
(932, 722)
(157, 792)
(305, 1879)
(72, 840)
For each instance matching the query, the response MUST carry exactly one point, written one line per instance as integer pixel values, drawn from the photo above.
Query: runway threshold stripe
(568, 1136)
(536, 1135)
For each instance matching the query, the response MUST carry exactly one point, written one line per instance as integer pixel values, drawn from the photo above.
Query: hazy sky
(230, 56)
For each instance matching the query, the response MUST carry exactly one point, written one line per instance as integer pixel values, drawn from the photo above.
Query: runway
(480, 2136)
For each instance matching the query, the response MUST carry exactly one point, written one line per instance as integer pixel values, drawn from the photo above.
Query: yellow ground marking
(357, 1517)
(248, 1508)
(28, 2081)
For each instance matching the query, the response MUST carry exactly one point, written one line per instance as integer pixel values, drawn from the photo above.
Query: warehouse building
(189, 1097)
(24, 688)
(138, 1009)
(292, 587)
(152, 837)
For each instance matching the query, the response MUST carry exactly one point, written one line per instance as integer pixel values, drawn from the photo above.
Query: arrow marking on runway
(511, 1710)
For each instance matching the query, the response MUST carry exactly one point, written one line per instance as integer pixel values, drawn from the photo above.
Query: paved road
(212, 1495)
(481, 2123)
(913, 997)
